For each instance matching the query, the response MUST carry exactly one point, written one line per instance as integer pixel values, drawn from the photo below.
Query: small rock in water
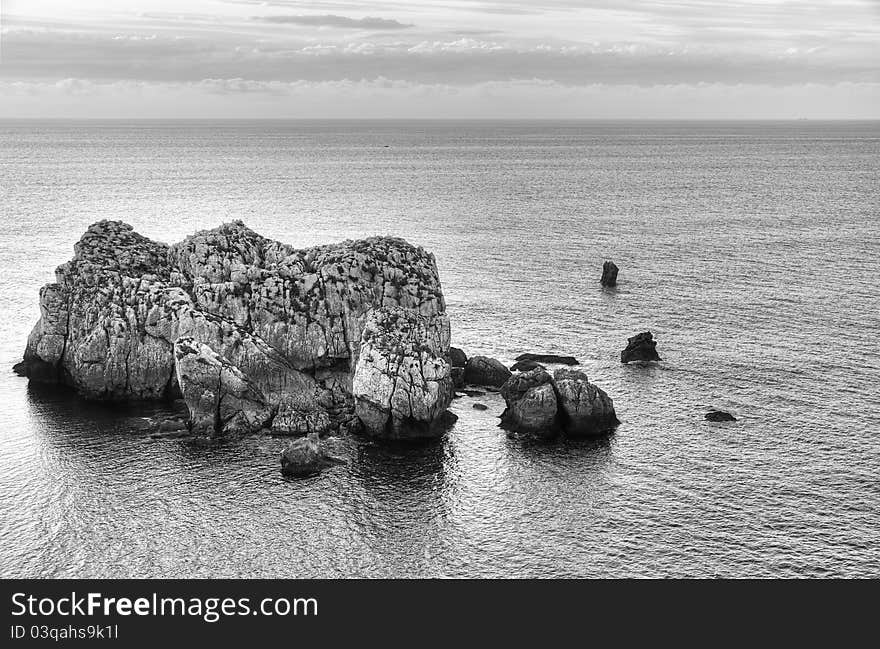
(548, 358)
(609, 274)
(719, 415)
(641, 347)
(525, 366)
(303, 457)
(485, 371)
(480, 406)
(457, 358)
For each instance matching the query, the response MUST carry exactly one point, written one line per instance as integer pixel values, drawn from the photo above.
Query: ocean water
(749, 249)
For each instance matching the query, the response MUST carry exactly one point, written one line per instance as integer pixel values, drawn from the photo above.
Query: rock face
(640, 347)
(402, 382)
(485, 371)
(584, 409)
(609, 274)
(251, 331)
(531, 403)
(719, 415)
(540, 403)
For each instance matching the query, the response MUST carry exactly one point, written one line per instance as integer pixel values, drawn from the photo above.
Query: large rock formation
(641, 347)
(402, 382)
(251, 331)
(540, 403)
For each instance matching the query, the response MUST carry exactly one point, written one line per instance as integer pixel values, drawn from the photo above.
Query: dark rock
(609, 274)
(457, 374)
(172, 425)
(457, 358)
(548, 358)
(640, 347)
(531, 403)
(480, 406)
(525, 366)
(719, 415)
(303, 457)
(474, 393)
(584, 409)
(485, 371)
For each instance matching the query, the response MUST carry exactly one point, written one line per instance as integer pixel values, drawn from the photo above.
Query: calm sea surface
(751, 250)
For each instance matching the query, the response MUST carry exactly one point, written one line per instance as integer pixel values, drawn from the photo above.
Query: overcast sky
(440, 58)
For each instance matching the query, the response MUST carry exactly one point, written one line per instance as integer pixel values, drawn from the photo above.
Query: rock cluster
(566, 401)
(252, 332)
(641, 347)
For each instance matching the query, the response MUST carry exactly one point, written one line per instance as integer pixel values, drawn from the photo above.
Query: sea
(751, 250)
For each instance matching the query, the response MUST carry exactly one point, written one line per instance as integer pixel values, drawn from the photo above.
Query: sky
(601, 59)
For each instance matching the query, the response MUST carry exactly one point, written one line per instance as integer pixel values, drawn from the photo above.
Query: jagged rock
(584, 409)
(641, 347)
(548, 358)
(719, 415)
(287, 322)
(485, 371)
(457, 358)
(303, 457)
(531, 403)
(526, 365)
(220, 398)
(402, 382)
(609, 274)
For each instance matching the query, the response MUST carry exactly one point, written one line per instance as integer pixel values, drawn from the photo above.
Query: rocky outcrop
(485, 371)
(566, 401)
(719, 415)
(233, 320)
(402, 383)
(531, 403)
(584, 409)
(609, 274)
(220, 397)
(641, 347)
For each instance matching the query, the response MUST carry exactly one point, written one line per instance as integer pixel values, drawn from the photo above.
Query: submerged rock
(480, 406)
(584, 408)
(640, 347)
(531, 403)
(719, 415)
(609, 274)
(266, 327)
(485, 371)
(402, 382)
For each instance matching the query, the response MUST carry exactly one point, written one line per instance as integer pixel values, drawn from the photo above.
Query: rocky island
(253, 334)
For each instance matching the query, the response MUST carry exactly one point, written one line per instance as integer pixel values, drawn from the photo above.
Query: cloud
(340, 22)
(460, 61)
(390, 98)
